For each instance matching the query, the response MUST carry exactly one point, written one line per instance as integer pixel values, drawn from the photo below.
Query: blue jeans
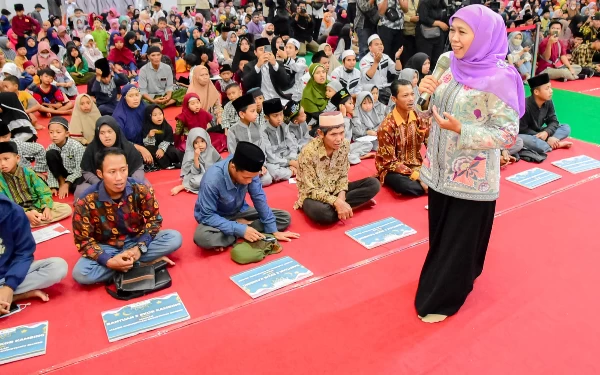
(88, 271)
(538, 145)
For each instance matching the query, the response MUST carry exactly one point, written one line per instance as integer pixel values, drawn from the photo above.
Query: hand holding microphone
(430, 83)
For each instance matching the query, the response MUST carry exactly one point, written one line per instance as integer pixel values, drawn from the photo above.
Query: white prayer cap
(372, 38)
(331, 119)
(347, 53)
(294, 42)
(11, 69)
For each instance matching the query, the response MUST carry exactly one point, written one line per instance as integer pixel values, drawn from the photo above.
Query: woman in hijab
(333, 61)
(158, 139)
(14, 116)
(210, 99)
(83, 121)
(44, 56)
(8, 48)
(207, 58)
(314, 99)
(108, 134)
(62, 35)
(230, 47)
(412, 76)
(334, 35)
(518, 56)
(481, 98)
(53, 38)
(32, 47)
(129, 114)
(195, 34)
(268, 31)
(421, 63)
(199, 156)
(242, 53)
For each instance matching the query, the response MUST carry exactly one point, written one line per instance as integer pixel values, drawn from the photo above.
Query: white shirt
(266, 85)
(380, 77)
(157, 15)
(298, 68)
(352, 81)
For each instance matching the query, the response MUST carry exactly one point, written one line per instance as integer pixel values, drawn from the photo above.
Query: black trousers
(171, 156)
(410, 48)
(402, 184)
(359, 192)
(57, 168)
(317, 27)
(459, 234)
(392, 40)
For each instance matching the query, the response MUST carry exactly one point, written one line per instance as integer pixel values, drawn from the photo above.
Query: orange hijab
(207, 92)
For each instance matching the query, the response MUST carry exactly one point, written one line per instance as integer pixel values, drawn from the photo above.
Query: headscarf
(231, 47)
(313, 96)
(12, 109)
(333, 61)
(130, 119)
(416, 62)
(65, 38)
(83, 124)
(239, 55)
(334, 35)
(123, 55)
(190, 119)
(483, 66)
(38, 60)
(368, 119)
(264, 33)
(9, 53)
(208, 157)
(53, 38)
(12, 69)
(408, 74)
(31, 51)
(132, 155)
(208, 93)
(191, 42)
(128, 36)
(166, 133)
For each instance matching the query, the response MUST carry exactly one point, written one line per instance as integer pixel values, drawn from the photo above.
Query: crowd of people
(243, 86)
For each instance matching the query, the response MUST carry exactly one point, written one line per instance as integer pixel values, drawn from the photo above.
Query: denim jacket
(467, 165)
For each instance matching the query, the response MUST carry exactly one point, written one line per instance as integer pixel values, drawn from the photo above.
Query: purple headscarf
(483, 66)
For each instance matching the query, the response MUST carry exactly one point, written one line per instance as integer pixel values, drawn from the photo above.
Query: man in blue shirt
(20, 276)
(221, 210)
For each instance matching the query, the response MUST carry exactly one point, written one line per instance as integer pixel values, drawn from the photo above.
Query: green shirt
(26, 189)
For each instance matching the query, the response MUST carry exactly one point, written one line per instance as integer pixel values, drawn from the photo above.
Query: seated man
(221, 210)
(323, 189)
(24, 187)
(376, 65)
(583, 55)
(156, 81)
(553, 59)
(539, 128)
(20, 276)
(117, 223)
(400, 137)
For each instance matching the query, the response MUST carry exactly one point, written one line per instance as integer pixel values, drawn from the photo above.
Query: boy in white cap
(295, 68)
(347, 73)
(376, 65)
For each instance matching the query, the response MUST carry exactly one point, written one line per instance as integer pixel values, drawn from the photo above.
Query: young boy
(282, 163)
(27, 151)
(25, 188)
(106, 87)
(222, 84)
(295, 117)
(165, 34)
(30, 105)
(29, 77)
(247, 130)
(50, 97)
(64, 159)
(295, 67)
(347, 74)
(21, 55)
(259, 99)
(332, 88)
(230, 116)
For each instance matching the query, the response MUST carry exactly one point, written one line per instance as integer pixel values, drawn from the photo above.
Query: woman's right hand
(428, 84)
(442, 25)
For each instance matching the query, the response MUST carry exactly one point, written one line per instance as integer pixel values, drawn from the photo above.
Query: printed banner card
(578, 164)
(270, 276)
(533, 178)
(22, 342)
(380, 232)
(49, 233)
(144, 316)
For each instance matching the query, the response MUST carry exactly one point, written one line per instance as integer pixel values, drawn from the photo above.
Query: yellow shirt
(24, 97)
(19, 61)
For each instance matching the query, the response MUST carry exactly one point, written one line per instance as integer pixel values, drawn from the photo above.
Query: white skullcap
(347, 53)
(372, 38)
(294, 42)
(11, 69)
(331, 119)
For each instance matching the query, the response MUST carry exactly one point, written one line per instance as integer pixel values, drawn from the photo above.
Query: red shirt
(558, 50)
(25, 23)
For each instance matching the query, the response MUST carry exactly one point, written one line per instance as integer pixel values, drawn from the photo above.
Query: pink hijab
(41, 62)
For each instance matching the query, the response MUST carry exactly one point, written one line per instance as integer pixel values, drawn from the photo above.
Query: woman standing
(481, 98)
(431, 28)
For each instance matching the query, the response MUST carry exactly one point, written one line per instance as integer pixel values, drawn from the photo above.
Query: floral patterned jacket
(467, 165)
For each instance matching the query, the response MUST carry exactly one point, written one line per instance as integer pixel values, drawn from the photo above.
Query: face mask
(573, 7)
(44, 55)
(517, 42)
(344, 15)
(269, 32)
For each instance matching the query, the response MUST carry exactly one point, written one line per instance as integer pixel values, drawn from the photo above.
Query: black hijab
(416, 62)
(133, 156)
(239, 55)
(199, 51)
(131, 46)
(166, 131)
(12, 109)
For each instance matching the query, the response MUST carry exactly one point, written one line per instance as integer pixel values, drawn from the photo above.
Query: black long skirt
(459, 233)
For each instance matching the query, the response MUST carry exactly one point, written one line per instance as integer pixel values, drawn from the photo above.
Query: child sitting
(222, 84)
(10, 69)
(158, 139)
(199, 156)
(295, 117)
(230, 116)
(106, 87)
(192, 116)
(50, 97)
(25, 188)
(364, 121)
(28, 151)
(64, 159)
(282, 146)
(29, 77)
(14, 116)
(122, 58)
(77, 66)
(379, 108)
(332, 88)
(63, 79)
(30, 105)
(21, 57)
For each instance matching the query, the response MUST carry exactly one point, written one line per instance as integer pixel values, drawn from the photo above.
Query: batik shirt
(582, 55)
(71, 153)
(320, 177)
(97, 219)
(26, 189)
(399, 145)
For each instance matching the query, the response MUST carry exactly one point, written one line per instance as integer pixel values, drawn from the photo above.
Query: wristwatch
(142, 247)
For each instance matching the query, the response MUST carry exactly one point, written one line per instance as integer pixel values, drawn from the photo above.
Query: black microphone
(442, 65)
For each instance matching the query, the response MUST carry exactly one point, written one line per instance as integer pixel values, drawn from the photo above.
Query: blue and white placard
(533, 178)
(22, 342)
(578, 164)
(380, 232)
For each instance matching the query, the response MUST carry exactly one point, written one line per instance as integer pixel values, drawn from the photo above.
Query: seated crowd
(243, 87)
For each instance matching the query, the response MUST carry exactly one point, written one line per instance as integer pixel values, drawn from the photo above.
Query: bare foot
(177, 189)
(368, 155)
(32, 294)
(433, 318)
(565, 144)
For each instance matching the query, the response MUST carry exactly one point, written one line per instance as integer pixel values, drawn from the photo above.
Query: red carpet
(590, 86)
(527, 311)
